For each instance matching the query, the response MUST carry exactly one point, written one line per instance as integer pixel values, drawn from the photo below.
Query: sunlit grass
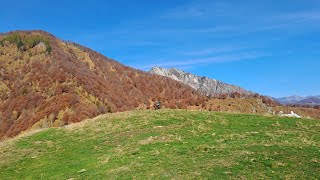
(168, 144)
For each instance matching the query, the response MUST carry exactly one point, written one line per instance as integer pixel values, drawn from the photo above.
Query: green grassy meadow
(168, 144)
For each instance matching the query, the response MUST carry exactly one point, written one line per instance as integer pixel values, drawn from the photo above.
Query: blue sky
(267, 46)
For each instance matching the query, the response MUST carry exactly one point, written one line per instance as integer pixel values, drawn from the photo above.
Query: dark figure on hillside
(157, 105)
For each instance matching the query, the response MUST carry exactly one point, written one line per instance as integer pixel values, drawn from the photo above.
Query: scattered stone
(82, 171)
(157, 127)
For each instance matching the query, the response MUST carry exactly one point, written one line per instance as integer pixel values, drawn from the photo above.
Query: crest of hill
(48, 82)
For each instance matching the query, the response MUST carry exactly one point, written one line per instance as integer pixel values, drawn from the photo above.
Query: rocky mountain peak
(204, 84)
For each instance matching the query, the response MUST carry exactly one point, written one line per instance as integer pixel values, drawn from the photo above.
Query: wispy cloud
(201, 28)
(165, 30)
(141, 43)
(289, 20)
(198, 9)
(215, 50)
(186, 12)
(236, 16)
(302, 15)
(295, 22)
(207, 60)
(205, 29)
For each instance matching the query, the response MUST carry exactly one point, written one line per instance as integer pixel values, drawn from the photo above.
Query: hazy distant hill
(48, 82)
(309, 100)
(204, 84)
(289, 99)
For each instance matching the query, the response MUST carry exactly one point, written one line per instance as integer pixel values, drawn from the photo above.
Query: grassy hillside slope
(168, 144)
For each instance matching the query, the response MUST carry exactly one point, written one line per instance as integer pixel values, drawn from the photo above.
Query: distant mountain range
(308, 100)
(203, 84)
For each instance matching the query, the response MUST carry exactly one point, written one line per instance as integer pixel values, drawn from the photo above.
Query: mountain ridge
(208, 86)
(300, 100)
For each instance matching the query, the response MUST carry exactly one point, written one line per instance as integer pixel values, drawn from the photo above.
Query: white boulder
(292, 114)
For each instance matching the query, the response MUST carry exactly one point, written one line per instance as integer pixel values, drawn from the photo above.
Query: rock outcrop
(292, 114)
(209, 87)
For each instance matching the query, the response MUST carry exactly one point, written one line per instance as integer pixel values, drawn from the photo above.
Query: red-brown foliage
(61, 81)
